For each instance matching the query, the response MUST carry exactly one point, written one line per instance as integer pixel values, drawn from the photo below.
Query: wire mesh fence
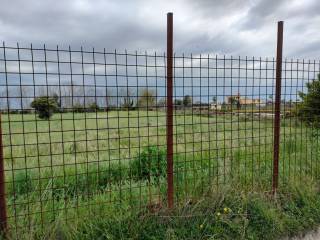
(85, 131)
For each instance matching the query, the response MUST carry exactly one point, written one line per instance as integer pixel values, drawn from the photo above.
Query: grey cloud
(205, 26)
(263, 11)
(308, 50)
(217, 8)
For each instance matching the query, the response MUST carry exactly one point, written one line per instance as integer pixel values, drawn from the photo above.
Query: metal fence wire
(85, 131)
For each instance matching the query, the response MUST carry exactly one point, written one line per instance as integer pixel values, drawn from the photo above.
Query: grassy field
(88, 165)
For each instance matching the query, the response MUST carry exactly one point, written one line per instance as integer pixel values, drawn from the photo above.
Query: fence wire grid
(84, 131)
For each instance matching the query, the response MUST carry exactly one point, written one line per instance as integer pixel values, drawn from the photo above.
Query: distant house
(215, 106)
(243, 100)
(200, 106)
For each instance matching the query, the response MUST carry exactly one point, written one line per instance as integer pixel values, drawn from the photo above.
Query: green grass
(228, 213)
(95, 165)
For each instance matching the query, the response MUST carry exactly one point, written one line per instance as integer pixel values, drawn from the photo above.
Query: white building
(215, 106)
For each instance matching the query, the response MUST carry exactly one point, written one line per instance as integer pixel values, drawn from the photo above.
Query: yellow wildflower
(226, 210)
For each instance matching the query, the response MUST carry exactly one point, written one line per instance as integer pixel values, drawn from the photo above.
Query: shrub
(78, 108)
(187, 100)
(309, 110)
(147, 99)
(23, 183)
(93, 107)
(151, 163)
(45, 106)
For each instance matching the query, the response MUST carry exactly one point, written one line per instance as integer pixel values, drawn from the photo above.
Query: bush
(187, 100)
(128, 103)
(93, 107)
(151, 163)
(309, 110)
(45, 106)
(23, 183)
(147, 99)
(78, 108)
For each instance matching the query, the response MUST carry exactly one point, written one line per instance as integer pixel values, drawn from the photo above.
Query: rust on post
(3, 207)
(169, 110)
(276, 133)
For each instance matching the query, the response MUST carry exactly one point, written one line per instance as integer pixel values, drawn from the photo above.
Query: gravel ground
(313, 235)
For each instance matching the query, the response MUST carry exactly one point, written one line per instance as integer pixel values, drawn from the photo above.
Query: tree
(111, 98)
(236, 101)
(44, 106)
(147, 98)
(309, 108)
(270, 98)
(25, 92)
(127, 103)
(214, 99)
(187, 100)
(162, 102)
(238, 104)
(178, 102)
(56, 97)
(93, 107)
(78, 95)
(78, 108)
(127, 98)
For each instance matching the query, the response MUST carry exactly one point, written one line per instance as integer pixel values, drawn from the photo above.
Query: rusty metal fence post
(3, 207)
(276, 133)
(169, 110)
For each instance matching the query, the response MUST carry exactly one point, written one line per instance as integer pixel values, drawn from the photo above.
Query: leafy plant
(147, 98)
(127, 98)
(78, 108)
(187, 100)
(45, 106)
(151, 163)
(178, 102)
(23, 183)
(93, 107)
(128, 103)
(309, 108)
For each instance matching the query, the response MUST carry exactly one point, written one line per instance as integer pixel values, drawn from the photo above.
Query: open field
(85, 164)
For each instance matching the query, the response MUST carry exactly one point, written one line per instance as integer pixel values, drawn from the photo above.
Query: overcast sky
(231, 27)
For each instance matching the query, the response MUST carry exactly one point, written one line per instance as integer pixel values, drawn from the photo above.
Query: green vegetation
(217, 215)
(45, 106)
(187, 100)
(308, 109)
(78, 108)
(93, 107)
(147, 98)
(228, 213)
(127, 99)
(103, 174)
(151, 163)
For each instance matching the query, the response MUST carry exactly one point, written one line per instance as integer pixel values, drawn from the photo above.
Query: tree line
(82, 101)
(46, 100)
